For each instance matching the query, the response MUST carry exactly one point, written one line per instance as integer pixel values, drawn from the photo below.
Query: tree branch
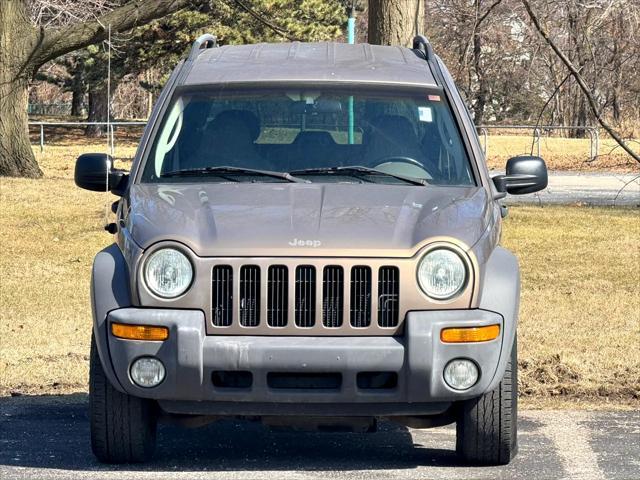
(486, 14)
(546, 104)
(52, 79)
(476, 25)
(265, 21)
(580, 81)
(57, 42)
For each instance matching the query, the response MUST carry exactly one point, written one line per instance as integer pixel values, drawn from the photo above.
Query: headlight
(442, 274)
(168, 273)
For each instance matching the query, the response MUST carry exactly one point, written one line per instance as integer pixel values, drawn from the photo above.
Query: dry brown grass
(579, 332)
(49, 232)
(559, 153)
(563, 153)
(579, 327)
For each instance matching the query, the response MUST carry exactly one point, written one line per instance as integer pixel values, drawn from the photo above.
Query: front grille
(377, 380)
(232, 379)
(305, 296)
(388, 296)
(222, 295)
(250, 296)
(308, 297)
(304, 380)
(332, 296)
(278, 296)
(360, 296)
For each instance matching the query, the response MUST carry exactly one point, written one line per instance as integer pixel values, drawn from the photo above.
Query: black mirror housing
(524, 174)
(95, 172)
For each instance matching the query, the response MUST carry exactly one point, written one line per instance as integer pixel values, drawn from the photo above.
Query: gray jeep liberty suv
(309, 236)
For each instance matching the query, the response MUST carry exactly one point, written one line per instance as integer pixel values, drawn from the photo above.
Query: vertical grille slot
(222, 295)
(305, 296)
(332, 296)
(277, 296)
(388, 296)
(250, 296)
(360, 296)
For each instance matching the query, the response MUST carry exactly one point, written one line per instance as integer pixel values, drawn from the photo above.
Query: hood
(277, 219)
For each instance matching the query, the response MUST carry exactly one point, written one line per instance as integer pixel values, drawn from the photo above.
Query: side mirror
(95, 172)
(524, 174)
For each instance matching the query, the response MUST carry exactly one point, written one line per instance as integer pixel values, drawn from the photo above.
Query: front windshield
(318, 135)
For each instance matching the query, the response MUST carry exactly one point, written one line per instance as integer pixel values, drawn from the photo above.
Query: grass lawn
(579, 333)
(559, 153)
(562, 153)
(579, 330)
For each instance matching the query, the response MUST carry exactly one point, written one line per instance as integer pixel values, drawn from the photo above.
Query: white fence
(110, 127)
(537, 132)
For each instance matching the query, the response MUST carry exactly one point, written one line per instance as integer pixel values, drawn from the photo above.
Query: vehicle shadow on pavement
(53, 432)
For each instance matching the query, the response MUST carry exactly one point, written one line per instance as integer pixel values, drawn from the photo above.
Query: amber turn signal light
(470, 334)
(139, 332)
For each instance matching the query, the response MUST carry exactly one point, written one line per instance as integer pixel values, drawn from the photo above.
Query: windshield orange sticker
(433, 98)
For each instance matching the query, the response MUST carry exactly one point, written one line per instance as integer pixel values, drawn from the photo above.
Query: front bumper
(417, 358)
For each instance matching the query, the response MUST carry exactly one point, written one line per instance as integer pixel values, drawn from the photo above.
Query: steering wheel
(402, 165)
(398, 159)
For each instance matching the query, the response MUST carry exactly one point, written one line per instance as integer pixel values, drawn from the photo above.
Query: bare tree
(479, 15)
(586, 90)
(24, 48)
(57, 13)
(481, 42)
(508, 73)
(395, 22)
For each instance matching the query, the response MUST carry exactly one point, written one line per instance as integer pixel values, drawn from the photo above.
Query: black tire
(123, 427)
(487, 426)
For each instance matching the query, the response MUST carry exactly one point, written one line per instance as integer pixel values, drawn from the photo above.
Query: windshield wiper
(359, 169)
(233, 170)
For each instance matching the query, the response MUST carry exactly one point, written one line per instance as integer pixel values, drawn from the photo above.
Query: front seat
(389, 136)
(229, 141)
(248, 118)
(314, 149)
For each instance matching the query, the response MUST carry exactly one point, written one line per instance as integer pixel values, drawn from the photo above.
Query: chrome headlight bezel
(463, 263)
(186, 262)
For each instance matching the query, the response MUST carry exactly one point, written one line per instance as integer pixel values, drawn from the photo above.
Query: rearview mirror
(319, 106)
(95, 172)
(524, 174)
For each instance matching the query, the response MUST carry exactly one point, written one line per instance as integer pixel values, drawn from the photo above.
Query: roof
(310, 62)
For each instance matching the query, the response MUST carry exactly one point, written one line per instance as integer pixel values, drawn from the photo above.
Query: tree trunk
(16, 155)
(16, 37)
(148, 79)
(395, 22)
(24, 48)
(617, 69)
(97, 110)
(483, 91)
(77, 91)
(581, 117)
(77, 96)
(575, 27)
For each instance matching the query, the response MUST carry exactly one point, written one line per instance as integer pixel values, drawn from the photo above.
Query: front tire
(487, 426)
(123, 427)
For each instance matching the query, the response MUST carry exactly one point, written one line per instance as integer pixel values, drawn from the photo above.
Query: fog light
(147, 372)
(461, 374)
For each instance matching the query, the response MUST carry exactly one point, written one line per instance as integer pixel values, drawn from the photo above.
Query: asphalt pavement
(598, 189)
(48, 438)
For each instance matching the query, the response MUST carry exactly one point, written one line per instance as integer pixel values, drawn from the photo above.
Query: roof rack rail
(203, 42)
(421, 43)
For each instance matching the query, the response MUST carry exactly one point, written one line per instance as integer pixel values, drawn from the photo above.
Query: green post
(351, 38)
(351, 27)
